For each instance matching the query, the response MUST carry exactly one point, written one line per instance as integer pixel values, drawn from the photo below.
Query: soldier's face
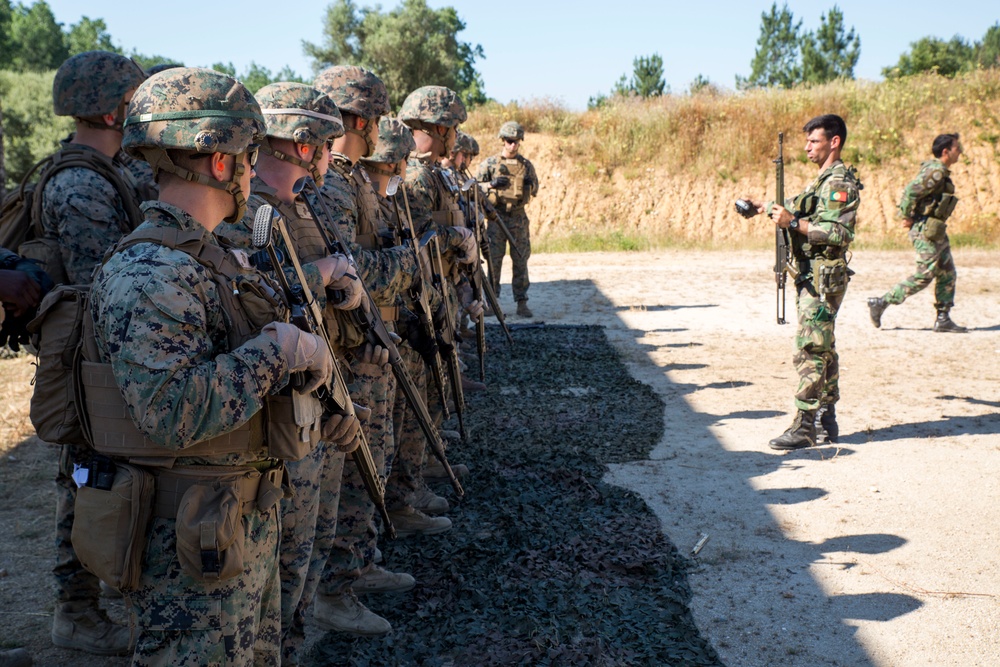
(510, 147)
(950, 155)
(818, 147)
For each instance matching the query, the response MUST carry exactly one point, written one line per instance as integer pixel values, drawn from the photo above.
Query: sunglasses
(511, 141)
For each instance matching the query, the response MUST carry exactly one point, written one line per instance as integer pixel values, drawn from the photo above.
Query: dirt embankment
(663, 202)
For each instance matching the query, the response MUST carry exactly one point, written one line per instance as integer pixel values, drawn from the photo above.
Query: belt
(256, 487)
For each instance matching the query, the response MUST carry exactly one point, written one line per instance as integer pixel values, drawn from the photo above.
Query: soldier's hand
(780, 215)
(907, 223)
(758, 206)
(344, 288)
(465, 245)
(375, 355)
(302, 351)
(19, 293)
(474, 310)
(343, 431)
(500, 183)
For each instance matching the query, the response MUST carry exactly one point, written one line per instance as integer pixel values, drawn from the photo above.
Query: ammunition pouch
(829, 276)
(368, 241)
(934, 229)
(113, 512)
(389, 314)
(294, 424)
(449, 218)
(208, 504)
(46, 252)
(944, 208)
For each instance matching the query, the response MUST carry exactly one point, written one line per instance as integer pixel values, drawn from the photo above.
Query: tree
(647, 76)
(89, 35)
(6, 39)
(776, 61)
(39, 44)
(700, 83)
(256, 76)
(408, 47)
(988, 50)
(829, 53)
(931, 54)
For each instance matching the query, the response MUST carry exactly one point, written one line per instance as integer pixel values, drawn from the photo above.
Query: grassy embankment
(722, 141)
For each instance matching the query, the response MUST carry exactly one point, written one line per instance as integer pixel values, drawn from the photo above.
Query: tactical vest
(287, 427)
(515, 196)
(805, 206)
(941, 204)
(370, 224)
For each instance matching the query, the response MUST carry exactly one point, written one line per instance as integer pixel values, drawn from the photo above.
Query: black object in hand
(745, 208)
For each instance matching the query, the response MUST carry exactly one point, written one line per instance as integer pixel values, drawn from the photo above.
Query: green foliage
(931, 54)
(408, 47)
(776, 61)
(988, 50)
(38, 41)
(89, 35)
(647, 76)
(830, 53)
(700, 83)
(31, 130)
(145, 62)
(256, 77)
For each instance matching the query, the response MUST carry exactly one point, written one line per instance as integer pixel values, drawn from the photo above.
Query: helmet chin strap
(312, 165)
(159, 160)
(365, 134)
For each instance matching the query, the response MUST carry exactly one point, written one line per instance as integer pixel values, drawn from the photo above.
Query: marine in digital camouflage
(355, 90)
(436, 105)
(94, 83)
(511, 130)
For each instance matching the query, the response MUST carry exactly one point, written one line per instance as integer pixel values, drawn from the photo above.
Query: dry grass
(15, 387)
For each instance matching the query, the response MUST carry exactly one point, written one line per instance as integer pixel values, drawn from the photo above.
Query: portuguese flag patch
(838, 195)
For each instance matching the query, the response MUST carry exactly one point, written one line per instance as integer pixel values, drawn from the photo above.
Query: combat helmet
(511, 130)
(94, 83)
(300, 113)
(434, 105)
(356, 91)
(194, 110)
(464, 143)
(395, 143)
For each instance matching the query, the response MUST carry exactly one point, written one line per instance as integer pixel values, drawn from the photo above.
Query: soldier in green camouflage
(821, 224)
(197, 345)
(301, 124)
(83, 213)
(928, 200)
(388, 270)
(513, 182)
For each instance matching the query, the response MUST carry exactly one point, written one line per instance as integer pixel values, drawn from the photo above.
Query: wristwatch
(794, 224)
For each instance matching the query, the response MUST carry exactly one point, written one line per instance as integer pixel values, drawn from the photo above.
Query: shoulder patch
(839, 195)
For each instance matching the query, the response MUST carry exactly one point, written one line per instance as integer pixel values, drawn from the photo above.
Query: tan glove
(342, 431)
(338, 274)
(466, 246)
(377, 356)
(303, 352)
(474, 310)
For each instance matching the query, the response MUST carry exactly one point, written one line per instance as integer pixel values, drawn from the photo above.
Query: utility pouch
(945, 207)
(830, 276)
(109, 533)
(934, 229)
(210, 533)
(46, 252)
(294, 424)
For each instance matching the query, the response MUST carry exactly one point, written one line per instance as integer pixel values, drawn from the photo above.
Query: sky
(565, 52)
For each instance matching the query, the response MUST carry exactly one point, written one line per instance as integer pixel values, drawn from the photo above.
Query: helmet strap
(312, 166)
(159, 160)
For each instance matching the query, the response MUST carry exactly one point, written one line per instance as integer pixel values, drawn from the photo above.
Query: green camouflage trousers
(934, 262)
(353, 549)
(182, 622)
(816, 358)
(306, 524)
(73, 583)
(520, 229)
(406, 472)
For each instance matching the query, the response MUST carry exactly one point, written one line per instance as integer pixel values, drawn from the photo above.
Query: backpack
(21, 211)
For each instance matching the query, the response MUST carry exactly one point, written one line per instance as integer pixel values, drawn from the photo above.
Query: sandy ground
(879, 551)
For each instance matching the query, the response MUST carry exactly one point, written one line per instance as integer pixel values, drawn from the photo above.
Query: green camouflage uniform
(512, 211)
(159, 322)
(830, 205)
(934, 261)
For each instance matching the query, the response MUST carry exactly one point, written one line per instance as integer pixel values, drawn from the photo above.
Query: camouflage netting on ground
(546, 565)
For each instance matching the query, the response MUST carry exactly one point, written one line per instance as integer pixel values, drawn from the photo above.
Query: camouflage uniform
(934, 261)
(160, 323)
(510, 203)
(830, 205)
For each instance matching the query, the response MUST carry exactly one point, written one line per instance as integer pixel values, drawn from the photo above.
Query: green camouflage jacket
(934, 179)
(830, 206)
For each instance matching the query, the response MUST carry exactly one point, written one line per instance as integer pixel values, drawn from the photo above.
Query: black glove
(528, 184)
(14, 331)
(500, 183)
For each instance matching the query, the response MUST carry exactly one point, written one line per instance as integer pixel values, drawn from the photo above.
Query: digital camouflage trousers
(520, 229)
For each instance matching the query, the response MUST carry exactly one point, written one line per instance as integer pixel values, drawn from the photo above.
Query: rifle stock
(335, 398)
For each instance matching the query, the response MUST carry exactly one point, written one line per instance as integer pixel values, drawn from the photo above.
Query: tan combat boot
(429, 502)
(434, 471)
(409, 521)
(523, 310)
(15, 657)
(380, 580)
(84, 627)
(344, 613)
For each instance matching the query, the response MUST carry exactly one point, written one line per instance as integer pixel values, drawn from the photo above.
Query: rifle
(433, 359)
(493, 216)
(782, 242)
(369, 321)
(485, 285)
(307, 316)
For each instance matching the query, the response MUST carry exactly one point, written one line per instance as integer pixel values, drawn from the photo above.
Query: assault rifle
(307, 315)
(494, 217)
(782, 242)
(369, 322)
(424, 314)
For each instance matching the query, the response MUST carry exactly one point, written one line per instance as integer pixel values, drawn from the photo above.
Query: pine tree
(830, 53)
(776, 61)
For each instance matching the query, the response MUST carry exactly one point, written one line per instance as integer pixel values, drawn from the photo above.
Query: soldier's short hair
(943, 142)
(831, 124)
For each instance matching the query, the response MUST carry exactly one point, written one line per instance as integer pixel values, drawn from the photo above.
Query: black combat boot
(826, 423)
(877, 306)
(943, 323)
(802, 432)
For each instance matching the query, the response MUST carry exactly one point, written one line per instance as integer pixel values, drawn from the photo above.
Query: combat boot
(84, 627)
(15, 657)
(429, 502)
(826, 423)
(943, 324)
(802, 433)
(523, 310)
(472, 385)
(409, 521)
(380, 580)
(877, 306)
(344, 613)
(434, 471)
